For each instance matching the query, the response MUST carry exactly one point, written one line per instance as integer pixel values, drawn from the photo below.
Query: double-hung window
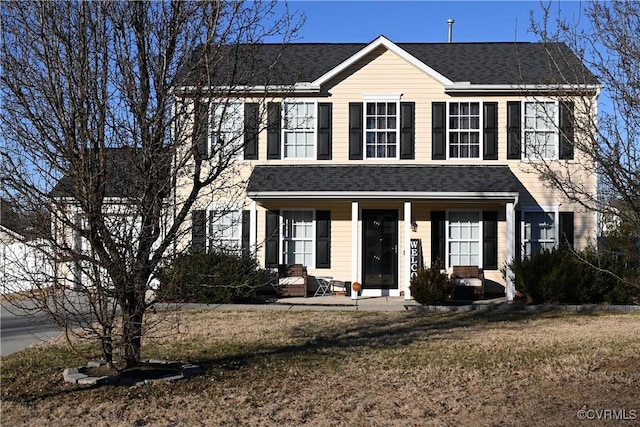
(464, 235)
(224, 229)
(464, 130)
(540, 129)
(298, 237)
(382, 131)
(299, 129)
(540, 231)
(227, 129)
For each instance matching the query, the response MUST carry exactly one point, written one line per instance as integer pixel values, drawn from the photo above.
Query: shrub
(431, 285)
(211, 278)
(562, 276)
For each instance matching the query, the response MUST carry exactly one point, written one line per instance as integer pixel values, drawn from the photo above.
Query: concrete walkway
(346, 303)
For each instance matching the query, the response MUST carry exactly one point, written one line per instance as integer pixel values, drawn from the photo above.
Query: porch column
(511, 249)
(354, 245)
(406, 277)
(253, 227)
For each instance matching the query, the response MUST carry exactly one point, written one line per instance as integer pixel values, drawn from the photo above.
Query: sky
(423, 20)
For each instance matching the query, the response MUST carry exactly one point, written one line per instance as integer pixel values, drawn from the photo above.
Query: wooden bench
(468, 276)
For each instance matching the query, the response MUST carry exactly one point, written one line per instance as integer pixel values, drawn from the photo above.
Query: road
(19, 331)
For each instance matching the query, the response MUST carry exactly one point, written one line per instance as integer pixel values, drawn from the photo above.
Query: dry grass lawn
(268, 368)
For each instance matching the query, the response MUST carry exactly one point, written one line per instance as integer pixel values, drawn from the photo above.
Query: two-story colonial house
(356, 153)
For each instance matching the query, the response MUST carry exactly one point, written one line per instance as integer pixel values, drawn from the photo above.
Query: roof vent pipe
(450, 23)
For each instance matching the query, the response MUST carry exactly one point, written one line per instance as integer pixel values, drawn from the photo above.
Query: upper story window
(540, 129)
(464, 130)
(381, 119)
(299, 126)
(227, 129)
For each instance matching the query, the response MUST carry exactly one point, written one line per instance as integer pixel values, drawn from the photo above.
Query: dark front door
(380, 249)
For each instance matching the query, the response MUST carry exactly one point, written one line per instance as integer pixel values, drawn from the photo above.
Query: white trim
(556, 129)
(224, 208)
(387, 195)
(407, 250)
(238, 134)
(479, 240)
(479, 130)
(283, 130)
(555, 209)
(385, 99)
(510, 289)
(281, 226)
(384, 42)
(355, 264)
(467, 87)
(253, 227)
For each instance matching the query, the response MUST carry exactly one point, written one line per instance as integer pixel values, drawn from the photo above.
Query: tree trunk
(132, 334)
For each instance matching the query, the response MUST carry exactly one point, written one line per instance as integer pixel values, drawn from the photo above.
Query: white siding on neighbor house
(23, 266)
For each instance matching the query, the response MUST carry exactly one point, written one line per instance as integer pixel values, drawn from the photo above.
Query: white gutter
(300, 87)
(467, 87)
(404, 195)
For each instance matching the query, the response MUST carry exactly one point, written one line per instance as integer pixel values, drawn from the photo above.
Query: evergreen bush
(432, 285)
(211, 278)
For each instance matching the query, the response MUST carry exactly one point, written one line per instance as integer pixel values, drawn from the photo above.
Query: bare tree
(606, 38)
(95, 140)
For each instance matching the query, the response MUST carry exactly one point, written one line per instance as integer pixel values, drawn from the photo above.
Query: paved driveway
(19, 331)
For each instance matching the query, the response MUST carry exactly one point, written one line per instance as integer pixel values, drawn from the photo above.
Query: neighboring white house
(22, 264)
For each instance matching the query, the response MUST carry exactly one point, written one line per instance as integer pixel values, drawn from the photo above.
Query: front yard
(354, 369)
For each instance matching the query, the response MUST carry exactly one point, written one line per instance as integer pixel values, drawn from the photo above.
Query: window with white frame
(539, 231)
(298, 237)
(224, 230)
(227, 129)
(464, 130)
(381, 120)
(540, 129)
(463, 238)
(299, 130)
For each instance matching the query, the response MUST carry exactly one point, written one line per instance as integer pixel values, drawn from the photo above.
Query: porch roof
(459, 182)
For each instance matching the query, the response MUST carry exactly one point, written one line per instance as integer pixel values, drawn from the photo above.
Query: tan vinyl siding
(382, 72)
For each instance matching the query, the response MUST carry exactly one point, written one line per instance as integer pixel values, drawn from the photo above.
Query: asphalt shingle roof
(383, 178)
(478, 63)
(123, 171)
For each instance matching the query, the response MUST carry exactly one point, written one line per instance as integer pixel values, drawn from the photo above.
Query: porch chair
(470, 281)
(292, 280)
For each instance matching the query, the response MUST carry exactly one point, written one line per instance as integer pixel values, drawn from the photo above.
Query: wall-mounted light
(414, 226)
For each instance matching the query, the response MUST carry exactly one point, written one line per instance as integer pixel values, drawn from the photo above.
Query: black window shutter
(274, 117)
(566, 229)
(490, 239)
(514, 132)
(272, 240)
(201, 128)
(198, 230)
(566, 130)
(251, 118)
(438, 131)
(438, 236)
(245, 227)
(325, 119)
(323, 239)
(490, 126)
(356, 133)
(518, 234)
(407, 130)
